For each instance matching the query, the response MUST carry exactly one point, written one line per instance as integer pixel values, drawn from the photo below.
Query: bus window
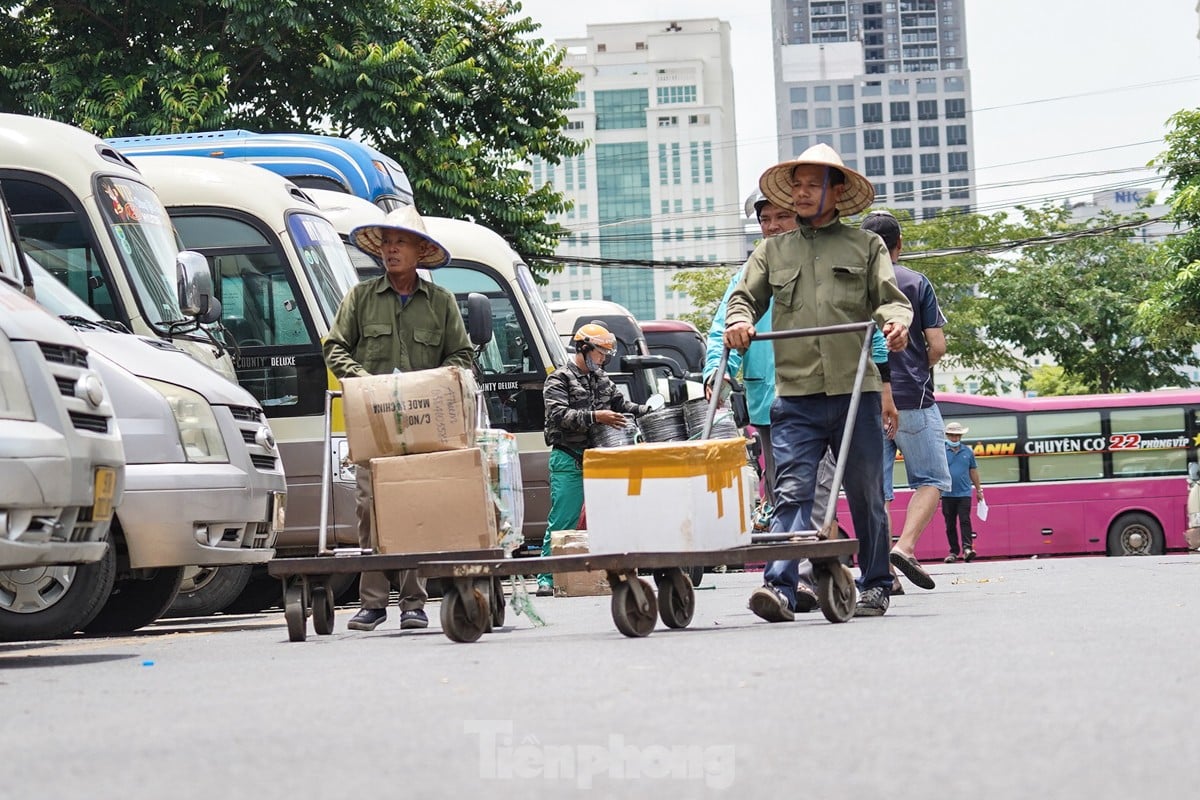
(1074, 427)
(512, 379)
(1134, 430)
(260, 310)
(1001, 464)
(51, 232)
(328, 266)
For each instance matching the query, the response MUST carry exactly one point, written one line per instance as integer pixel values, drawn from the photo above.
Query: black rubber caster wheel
(631, 620)
(322, 609)
(294, 612)
(836, 592)
(456, 619)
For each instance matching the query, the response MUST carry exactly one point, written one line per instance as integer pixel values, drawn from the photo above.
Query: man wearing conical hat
(823, 273)
(398, 321)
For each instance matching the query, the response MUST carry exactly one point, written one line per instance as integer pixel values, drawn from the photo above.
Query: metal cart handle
(868, 328)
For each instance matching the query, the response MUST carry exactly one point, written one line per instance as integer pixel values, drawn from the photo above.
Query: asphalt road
(1068, 678)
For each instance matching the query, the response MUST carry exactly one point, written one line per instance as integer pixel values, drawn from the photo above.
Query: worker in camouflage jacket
(578, 397)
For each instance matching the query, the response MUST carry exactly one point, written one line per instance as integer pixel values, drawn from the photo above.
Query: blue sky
(1060, 87)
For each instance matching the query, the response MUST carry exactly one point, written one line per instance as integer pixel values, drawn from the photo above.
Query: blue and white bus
(308, 160)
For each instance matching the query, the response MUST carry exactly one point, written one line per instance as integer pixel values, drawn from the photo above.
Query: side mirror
(479, 318)
(194, 283)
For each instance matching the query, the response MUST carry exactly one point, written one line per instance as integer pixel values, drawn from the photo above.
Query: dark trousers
(958, 509)
(802, 430)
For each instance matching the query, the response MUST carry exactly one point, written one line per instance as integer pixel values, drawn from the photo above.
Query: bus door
(275, 315)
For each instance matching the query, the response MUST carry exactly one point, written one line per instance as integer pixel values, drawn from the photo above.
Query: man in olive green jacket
(396, 322)
(823, 273)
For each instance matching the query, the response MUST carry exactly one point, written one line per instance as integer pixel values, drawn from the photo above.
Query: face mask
(953, 444)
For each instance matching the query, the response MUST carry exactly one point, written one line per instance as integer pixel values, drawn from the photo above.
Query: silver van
(204, 485)
(62, 464)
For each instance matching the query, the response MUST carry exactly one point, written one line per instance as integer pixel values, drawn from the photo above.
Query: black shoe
(969, 555)
(545, 590)
(770, 604)
(367, 619)
(873, 602)
(413, 618)
(806, 599)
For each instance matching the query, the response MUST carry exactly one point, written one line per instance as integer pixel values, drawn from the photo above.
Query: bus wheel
(1135, 534)
(207, 590)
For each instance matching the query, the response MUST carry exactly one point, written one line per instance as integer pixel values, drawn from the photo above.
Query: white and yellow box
(666, 496)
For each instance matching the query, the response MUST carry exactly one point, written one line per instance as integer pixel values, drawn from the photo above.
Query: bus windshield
(145, 242)
(541, 316)
(325, 260)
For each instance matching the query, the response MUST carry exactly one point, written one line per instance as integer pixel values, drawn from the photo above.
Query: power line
(985, 249)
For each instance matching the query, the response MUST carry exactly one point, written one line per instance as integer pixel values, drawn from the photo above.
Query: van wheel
(1136, 534)
(207, 590)
(136, 603)
(52, 602)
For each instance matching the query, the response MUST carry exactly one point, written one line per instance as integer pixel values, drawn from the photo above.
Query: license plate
(104, 491)
(277, 511)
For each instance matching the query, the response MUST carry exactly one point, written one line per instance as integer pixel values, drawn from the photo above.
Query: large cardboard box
(431, 502)
(404, 413)
(667, 496)
(576, 584)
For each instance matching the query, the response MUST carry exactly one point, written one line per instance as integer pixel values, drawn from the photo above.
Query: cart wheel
(294, 611)
(836, 592)
(674, 606)
(631, 620)
(497, 603)
(456, 624)
(322, 609)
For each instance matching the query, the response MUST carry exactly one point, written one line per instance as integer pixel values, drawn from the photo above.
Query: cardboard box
(431, 502)
(409, 412)
(576, 584)
(667, 496)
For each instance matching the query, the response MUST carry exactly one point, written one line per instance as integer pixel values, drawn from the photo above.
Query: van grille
(63, 354)
(89, 422)
(249, 421)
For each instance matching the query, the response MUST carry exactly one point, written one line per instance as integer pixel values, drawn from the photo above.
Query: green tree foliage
(460, 92)
(1076, 301)
(1051, 380)
(955, 279)
(705, 288)
(1173, 306)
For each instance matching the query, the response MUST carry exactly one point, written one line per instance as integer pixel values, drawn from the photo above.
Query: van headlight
(14, 397)
(198, 429)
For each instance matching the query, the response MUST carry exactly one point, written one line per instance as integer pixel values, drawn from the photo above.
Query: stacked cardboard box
(576, 584)
(416, 431)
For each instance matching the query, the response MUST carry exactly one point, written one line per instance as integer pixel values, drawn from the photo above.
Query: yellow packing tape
(719, 460)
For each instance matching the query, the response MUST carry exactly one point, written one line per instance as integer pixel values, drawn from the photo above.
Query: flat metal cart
(307, 582)
(466, 614)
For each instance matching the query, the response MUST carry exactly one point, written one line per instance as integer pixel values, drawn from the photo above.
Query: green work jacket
(374, 334)
(829, 275)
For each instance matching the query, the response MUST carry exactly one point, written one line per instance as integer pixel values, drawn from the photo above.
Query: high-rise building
(659, 181)
(886, 84)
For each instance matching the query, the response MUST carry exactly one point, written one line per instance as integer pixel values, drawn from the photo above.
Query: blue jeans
(921, 439)
(801, 429)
